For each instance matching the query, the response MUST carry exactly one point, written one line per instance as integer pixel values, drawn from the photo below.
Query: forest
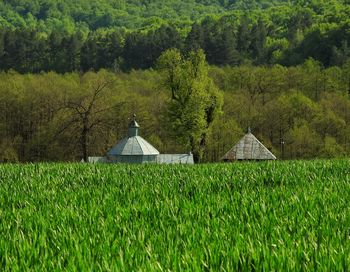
(65, 15)
(306, 107)
(285, 34)
(72, 73)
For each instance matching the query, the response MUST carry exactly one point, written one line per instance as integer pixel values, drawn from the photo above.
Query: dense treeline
(305, 107)
(288, 34)
(69, 16)
(225, 42)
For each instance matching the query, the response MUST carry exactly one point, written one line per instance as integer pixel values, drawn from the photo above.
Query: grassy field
(272, 216)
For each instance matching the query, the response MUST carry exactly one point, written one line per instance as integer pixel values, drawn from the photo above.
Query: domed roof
(133, 144)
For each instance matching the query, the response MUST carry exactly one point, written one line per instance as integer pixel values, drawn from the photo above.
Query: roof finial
(249, 130)
(133, 127)
(133, 122)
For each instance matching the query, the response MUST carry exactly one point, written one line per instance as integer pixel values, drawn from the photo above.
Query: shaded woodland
(306, 107)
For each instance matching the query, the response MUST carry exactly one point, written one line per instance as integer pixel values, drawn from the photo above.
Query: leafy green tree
(327, 123)
(332, 149)
(313, 84)
(195, 100)
(303, 141)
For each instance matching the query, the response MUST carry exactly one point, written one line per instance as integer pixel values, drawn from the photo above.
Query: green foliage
(195, 100)
(133, 34)
(255, 216)
(304, 140)
(42, 113)
(87, 36)
(281, 104)
(69, 16)
(332, 148)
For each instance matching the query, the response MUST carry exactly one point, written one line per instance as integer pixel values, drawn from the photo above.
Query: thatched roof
(249, 148)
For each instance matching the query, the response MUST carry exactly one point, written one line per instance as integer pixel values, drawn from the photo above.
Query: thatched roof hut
(248, 148)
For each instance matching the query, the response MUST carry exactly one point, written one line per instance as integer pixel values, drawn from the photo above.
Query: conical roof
(249, 148)
(133, 144)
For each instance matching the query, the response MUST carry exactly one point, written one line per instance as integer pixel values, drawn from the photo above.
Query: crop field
(286, 216)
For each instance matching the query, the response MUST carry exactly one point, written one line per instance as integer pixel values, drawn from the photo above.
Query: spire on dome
(133, 127)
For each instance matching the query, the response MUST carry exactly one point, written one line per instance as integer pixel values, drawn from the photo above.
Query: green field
(250, 216)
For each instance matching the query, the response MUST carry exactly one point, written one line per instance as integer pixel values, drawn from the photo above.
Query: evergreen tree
(258, 41)
(89, 55)
(244, 36)
(227, 54)
(195, 39)
(56, 55)
(73, 47)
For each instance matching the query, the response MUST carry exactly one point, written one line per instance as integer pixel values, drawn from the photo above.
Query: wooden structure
(248, 148)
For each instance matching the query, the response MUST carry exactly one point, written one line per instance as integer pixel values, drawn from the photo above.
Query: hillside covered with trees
(280, 67)
(130, 14)
(286, 34)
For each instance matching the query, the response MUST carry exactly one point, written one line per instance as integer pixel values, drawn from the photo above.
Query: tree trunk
(83, 141)
(194, 150)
